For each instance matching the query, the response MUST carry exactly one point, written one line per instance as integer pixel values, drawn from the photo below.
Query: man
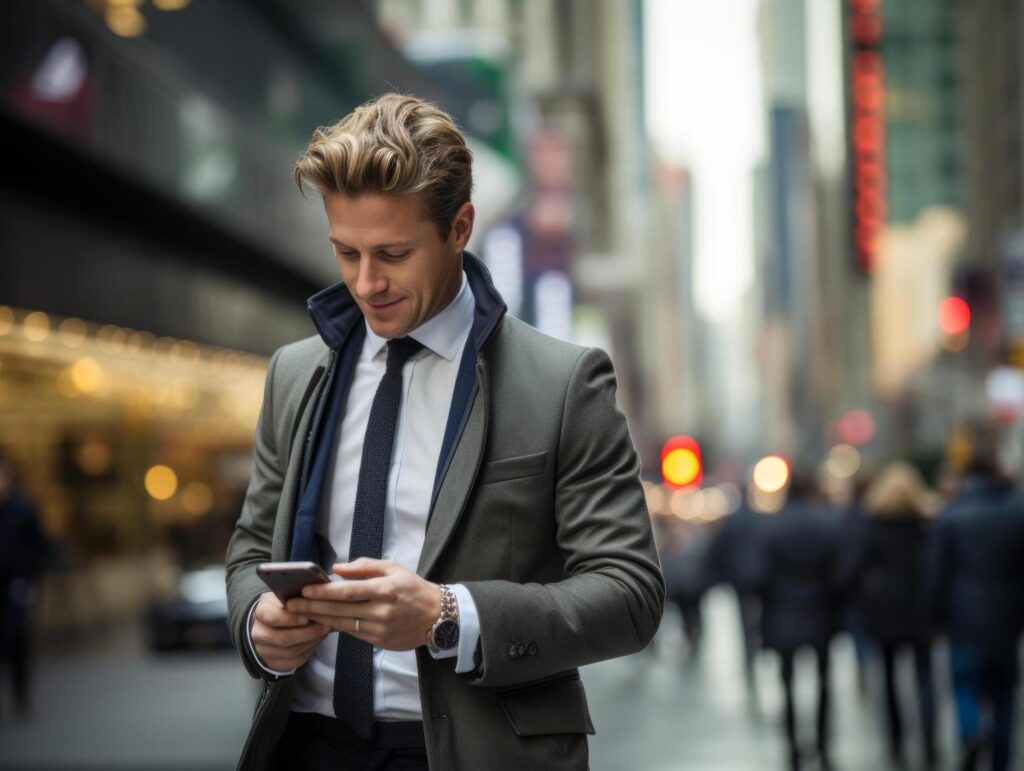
(976, 572)
(470, 481)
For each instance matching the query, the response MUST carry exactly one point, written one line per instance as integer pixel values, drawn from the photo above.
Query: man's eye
(394, 255)
(346, 255)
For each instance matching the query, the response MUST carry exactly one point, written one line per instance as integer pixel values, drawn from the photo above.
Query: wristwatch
(444, 634)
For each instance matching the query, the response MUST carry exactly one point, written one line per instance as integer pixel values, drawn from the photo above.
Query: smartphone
(286, 579)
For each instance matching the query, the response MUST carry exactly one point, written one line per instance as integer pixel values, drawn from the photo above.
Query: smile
(383, 307)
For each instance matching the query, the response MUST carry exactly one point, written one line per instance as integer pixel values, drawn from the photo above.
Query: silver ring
(357, 626)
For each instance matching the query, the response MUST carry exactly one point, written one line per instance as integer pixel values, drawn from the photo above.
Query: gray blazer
(540, 515)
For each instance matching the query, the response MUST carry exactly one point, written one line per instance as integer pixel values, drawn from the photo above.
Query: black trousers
(318, 743)
(925, 693)
(822, 723)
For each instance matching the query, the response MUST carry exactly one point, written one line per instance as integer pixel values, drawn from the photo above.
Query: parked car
(196, 617)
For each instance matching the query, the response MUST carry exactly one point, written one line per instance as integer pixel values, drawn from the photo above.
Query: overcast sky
(704, 111)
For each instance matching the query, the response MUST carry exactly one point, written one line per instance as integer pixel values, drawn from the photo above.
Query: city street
(114, 706)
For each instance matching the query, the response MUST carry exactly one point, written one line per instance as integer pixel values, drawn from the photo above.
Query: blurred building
(993, 77)
(680, 338)
(811, 341)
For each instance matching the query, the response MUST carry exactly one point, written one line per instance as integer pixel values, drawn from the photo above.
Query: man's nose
(370, 280)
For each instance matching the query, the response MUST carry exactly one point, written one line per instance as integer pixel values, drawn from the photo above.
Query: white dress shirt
(428, 383)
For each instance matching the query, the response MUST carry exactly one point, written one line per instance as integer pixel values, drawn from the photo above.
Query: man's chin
(387, 329)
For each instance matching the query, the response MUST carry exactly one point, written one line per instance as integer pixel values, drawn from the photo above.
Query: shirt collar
(443, 334)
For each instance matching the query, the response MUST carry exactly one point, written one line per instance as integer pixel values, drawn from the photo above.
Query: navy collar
(335, 313)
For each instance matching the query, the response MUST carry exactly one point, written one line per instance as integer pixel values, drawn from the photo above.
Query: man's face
(393, 260)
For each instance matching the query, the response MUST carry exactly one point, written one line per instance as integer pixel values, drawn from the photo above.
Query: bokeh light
(86, 375)
(843, 461)
(36, 326)
(161, 482)
(771, 474)
(197, 498)
(954, 316)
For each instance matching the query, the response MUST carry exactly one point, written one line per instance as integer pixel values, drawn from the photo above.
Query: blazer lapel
(459, 480)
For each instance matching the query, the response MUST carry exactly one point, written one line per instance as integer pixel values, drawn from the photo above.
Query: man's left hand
(393, 605)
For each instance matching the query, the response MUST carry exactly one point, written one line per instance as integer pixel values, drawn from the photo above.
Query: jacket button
(513, 651)
(532, 649)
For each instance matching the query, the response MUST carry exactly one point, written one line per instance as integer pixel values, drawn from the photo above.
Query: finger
(286, 651)
(364, 567)
(369, 631)
(287, 662)
(329, 607)
(279, 616)
(289, 636)
(341, 591)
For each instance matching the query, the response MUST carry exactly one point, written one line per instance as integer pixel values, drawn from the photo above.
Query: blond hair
(393, 145)
(899, 488)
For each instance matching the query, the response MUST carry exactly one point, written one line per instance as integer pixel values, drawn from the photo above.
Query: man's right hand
(283, 640)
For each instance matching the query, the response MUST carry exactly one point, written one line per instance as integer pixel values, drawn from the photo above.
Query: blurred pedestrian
(684, 551)
(23, 552)
(799, 587)
(977, 574)
(891, 595)
(853, 530)
(733, 560)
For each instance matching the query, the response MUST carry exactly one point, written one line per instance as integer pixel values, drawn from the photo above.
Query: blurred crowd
(913, 575)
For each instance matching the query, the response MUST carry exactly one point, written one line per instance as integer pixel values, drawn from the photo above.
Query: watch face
(446, 635)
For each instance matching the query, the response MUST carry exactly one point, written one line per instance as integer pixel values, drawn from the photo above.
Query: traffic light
(954, 316)
(954, 322)
(681, 464)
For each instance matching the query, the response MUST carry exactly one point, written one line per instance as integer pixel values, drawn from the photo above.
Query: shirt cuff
(469, 632)
(252, 648)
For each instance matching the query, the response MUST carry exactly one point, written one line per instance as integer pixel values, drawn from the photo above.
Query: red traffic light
(954, 316)
(681, 464)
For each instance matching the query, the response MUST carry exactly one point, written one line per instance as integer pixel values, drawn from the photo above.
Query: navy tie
(353, 674)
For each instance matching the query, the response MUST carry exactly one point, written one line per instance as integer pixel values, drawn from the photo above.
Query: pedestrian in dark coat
(977, 581)
(800, 596)
(684, 551)
(734, 560)
(890, 593)
(23, 552)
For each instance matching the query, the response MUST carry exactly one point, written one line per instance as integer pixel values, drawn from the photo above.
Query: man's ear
(462, 226)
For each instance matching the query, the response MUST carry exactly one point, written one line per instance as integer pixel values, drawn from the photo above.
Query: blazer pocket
(551, 707)
(514, 468)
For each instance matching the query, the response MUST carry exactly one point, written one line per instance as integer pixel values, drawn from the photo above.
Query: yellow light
(771, 474)
(161, 482)
(843, 461)
(125, 21)
(72, 332)
(680, 467)
(171, 5)
(36, 326)
(197, 498)
(86, 375)
(6, 320)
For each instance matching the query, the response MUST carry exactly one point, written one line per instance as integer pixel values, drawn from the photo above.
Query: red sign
(867, 133)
